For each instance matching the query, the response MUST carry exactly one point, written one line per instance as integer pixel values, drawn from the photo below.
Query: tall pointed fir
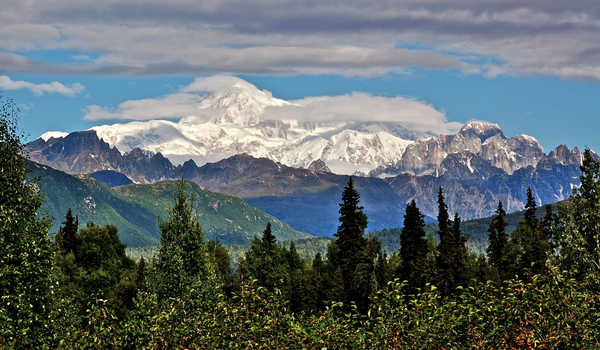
(182, 258)
(26, 280)
(264, 261)
(533, 246)
(268, 239)
(351, 256)
(497, 239)
(545, 226)
(452, 250)
(459, 245)
(444, 259)
(67, 238)
(530, 208)
(413, 248)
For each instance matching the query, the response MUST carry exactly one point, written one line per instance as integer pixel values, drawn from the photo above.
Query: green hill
(135, 209)
(223, 218)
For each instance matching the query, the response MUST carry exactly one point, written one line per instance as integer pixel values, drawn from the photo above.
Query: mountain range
(307, 198)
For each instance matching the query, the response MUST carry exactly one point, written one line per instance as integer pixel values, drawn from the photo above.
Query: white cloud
(414, 114)
(6, 83)
(168, 106)
(188, 101)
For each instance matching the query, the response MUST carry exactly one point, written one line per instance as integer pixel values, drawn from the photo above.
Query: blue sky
(533, 69)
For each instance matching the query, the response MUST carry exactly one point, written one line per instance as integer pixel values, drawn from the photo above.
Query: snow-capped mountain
(232, 121)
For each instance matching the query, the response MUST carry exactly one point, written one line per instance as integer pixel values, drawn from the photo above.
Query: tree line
(536, 286)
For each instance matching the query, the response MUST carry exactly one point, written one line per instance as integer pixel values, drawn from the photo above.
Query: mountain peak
(319, 166)
(238, 102)
(53, 135)
(479, 126)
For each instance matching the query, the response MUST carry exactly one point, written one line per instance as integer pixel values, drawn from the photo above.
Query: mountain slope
(111, 178)
(95, 202)
(224, 218)
(134, 209)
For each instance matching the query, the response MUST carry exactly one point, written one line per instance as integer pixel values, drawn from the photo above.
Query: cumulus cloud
(196, 100)
(6, 83)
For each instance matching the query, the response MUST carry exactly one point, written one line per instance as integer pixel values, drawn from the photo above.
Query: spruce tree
(460, 253)
(267, 262)
(296, 284)
(413, 249)
(26, 280)
(268, 239)
(67, 238)
(451, 271)
(530, 208)
(351, 257)
(498, 249)
(443, 217)
(182, 257)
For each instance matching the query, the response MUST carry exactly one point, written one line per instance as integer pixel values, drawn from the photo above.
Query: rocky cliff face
(482, 139)
(84, 153)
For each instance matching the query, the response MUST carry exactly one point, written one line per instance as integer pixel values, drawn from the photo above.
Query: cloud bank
(6, 83)
(191, 100)
(352, 37)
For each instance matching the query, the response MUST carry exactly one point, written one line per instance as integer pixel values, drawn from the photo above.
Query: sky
(532, 67)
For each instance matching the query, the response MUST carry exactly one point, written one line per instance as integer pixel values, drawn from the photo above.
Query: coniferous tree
(533, 248)
(140, 274)
(443, 217)
(26, 281)
(451, 271)
(460, 253)
(497, 237)
(351, 254)
(547, 222)
(413, 249)
(266, 262)
(182, 257)
(502, 253)
(268, 239)
(295, 277)
(530, 208)
(67, 238)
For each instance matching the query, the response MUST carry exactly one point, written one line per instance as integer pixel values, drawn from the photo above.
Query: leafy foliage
(26, 283)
